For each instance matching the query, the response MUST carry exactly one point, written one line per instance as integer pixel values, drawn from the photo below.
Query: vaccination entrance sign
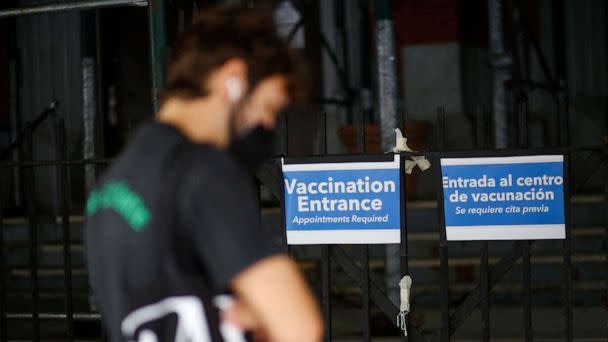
(349, 202)
(504, 198)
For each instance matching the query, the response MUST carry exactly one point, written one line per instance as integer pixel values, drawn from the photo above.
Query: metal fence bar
(64, 193)
(365, 298)
(325, 259)
(606, 235)
(444, 290)
(467, 306)
(3, 273)
(567, 248)
(37, 163)
(285, 134)
(527, 291)
(282, 199)
(501, 70)
(51, 316)
(403, 247)
(326, 289)
(33, 232)
(282, 213)
(441, 134)
(377, 294)
(485, 292)
(559, 49)
(69, 6)
(524, 25)
(522, 116)
(46, 113)
(364, 281)
(522, 124)
(483, 265)
(158, 48)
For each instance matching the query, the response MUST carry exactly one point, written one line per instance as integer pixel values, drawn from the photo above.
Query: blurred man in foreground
(174, 221)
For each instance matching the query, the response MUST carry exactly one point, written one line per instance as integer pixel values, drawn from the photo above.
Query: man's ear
(232, 78)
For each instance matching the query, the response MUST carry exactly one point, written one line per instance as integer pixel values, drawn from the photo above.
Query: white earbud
(234, 89)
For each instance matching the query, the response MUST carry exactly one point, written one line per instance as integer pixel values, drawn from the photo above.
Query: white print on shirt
(191, 325)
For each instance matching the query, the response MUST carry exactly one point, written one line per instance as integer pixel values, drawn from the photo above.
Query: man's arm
(277, 295)
(221, 217)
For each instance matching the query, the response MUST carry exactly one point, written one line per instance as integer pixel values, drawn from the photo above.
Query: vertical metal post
(361, 132)
(285, 134)
(3, 274)
(282, 212)
(527, 291)
(158, 47)
(501, 63)
(89, 107)
(365, 300)
(484, 265)
(521, 66)
(559, 46)
(441, 135)
(341, 21)
(33, 232)
(403, 247)
(14, 133)
(605, 240)
(564, 140)
(387, 74)
(387, 109)
(326, 261)
(64, 192)
(522, 123)
(444, 286)
(522, 114)
(480, 128)
(326, 289)
(567, 247)
(282, 199)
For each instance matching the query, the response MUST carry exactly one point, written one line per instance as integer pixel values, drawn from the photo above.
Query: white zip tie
(401, 146)
(405, 285)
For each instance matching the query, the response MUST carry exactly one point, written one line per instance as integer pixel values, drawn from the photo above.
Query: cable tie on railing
(401, 146)
(405, 285)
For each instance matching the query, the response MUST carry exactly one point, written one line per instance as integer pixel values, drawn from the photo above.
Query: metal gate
(590, 160)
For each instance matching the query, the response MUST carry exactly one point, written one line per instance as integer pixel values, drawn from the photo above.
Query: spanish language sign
(506, 198)
(342, 203)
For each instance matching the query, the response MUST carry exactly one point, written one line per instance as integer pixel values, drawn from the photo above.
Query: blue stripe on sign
(342, 199)
(503, 194)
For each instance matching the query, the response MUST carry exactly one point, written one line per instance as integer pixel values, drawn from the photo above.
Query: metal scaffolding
(157, 43)
(69, 6)
(156, 28)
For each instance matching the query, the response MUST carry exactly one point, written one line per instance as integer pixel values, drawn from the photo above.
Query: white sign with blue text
(342, 203)
(504, 198)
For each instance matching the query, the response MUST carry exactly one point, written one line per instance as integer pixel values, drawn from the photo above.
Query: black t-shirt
(168, 226)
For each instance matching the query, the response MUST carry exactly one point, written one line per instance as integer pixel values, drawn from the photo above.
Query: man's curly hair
(219, 34)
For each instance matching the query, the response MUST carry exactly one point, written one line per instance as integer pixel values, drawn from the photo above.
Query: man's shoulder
(212, 165)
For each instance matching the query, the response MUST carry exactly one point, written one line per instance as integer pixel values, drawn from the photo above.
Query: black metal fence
(453, 316)
(355, 265)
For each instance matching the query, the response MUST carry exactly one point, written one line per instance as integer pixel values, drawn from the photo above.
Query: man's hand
(240, 315)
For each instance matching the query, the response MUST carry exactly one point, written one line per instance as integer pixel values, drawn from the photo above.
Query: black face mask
(253, 148)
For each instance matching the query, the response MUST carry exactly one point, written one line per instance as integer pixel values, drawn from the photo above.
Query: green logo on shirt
(117, 196)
